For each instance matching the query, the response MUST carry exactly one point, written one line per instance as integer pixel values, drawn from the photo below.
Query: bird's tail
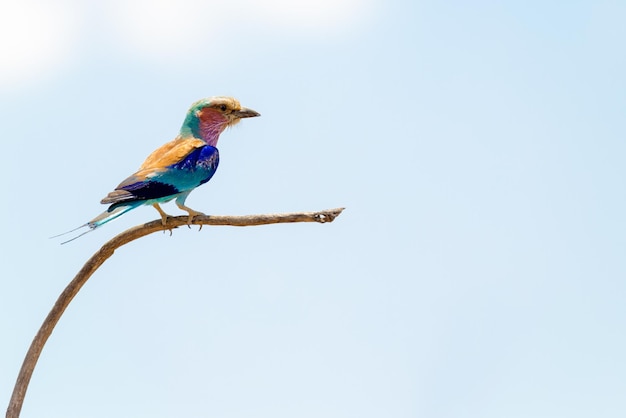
(106, 216)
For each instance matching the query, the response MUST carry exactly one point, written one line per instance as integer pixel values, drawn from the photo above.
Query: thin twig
(107, 250)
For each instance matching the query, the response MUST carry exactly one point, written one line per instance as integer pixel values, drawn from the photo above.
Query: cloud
(313, 16)
(166, 27)
(36, 39)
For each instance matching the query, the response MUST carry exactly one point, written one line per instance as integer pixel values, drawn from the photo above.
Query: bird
(175, 169)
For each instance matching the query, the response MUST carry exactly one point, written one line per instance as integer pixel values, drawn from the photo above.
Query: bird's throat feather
(211, 124)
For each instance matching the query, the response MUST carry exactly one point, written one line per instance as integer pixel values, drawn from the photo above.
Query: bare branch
(107, 250)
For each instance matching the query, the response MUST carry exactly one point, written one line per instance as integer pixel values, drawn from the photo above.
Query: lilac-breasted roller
(176, 168)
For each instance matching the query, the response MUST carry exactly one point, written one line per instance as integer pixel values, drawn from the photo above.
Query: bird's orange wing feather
(171, 153)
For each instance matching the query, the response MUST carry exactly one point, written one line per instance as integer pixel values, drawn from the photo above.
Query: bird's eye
(223, 108)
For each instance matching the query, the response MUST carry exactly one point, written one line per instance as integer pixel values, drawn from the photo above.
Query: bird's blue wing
(162, 183)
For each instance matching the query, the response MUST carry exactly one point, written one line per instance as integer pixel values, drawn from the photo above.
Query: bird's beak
(244, 112)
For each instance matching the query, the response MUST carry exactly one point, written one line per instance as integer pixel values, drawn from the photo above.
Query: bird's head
(207, 118)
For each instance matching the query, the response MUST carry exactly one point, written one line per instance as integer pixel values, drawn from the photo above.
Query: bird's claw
(192, 214)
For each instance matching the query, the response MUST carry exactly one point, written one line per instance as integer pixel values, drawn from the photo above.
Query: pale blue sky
(478, 270)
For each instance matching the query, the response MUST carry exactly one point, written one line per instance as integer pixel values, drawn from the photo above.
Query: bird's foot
(192, 214)
(190, 211)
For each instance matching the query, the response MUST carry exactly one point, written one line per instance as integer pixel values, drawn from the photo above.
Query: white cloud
(165, 27)
(36, 39)
(313, 16)
(179, 27)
